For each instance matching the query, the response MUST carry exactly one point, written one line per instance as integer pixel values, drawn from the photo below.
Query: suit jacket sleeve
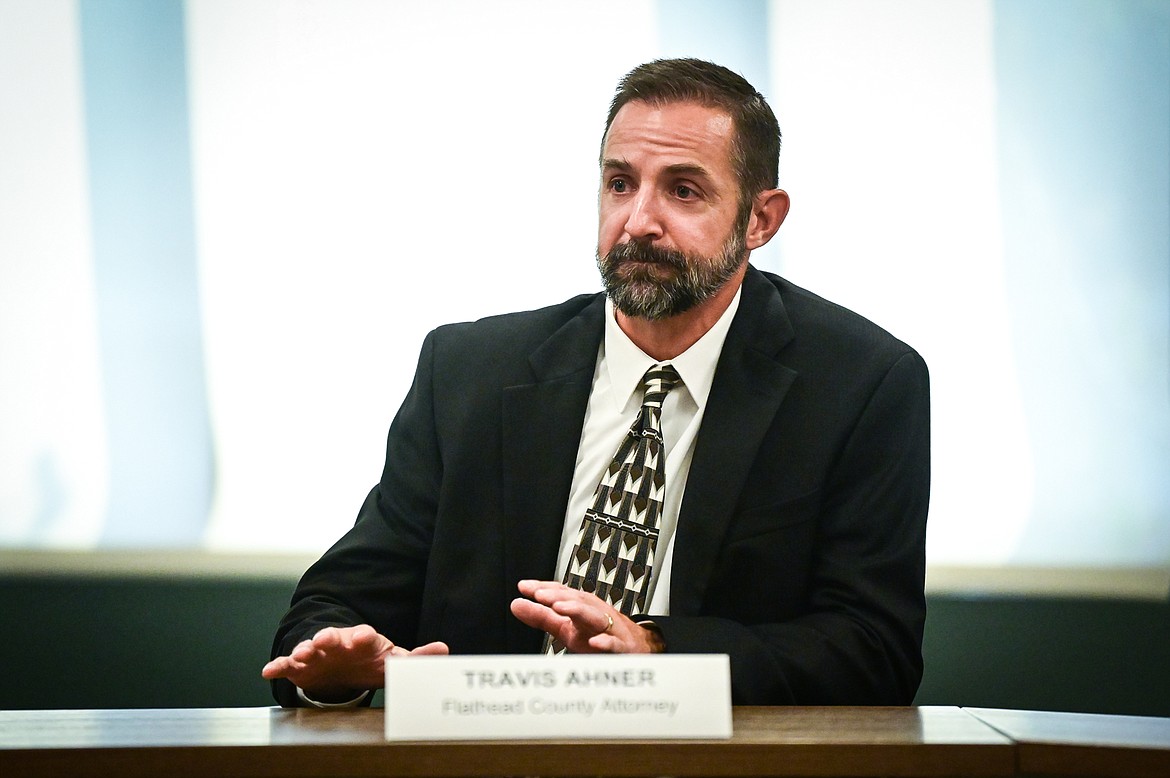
(442, 539)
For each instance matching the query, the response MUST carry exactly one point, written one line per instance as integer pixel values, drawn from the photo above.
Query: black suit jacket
(799, 549)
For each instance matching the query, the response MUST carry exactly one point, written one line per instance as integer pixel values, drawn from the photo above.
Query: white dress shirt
(614, 403)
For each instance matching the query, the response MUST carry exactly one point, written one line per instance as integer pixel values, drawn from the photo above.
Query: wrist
(653, 635)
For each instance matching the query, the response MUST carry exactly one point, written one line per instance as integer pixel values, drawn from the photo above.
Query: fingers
(303, 652)
(528, 586)
(278, 668)
(587, 610)
(537, 616)
(349, 657)
(591, 615)
(605, 643)
(330, 637)
(580, 620)
(329, 642)
(548, 592)
(365, 638)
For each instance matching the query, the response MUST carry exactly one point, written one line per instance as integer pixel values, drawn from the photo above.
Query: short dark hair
(755, 145)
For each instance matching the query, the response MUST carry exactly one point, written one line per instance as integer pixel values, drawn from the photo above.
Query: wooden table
(1083, 744)
(927, 741)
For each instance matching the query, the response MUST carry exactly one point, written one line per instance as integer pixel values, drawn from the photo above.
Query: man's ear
(768, 211)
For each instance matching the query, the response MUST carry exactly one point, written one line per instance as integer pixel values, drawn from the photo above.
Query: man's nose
(644, 220)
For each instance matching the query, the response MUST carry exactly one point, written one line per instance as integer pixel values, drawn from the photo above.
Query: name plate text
(568, 696)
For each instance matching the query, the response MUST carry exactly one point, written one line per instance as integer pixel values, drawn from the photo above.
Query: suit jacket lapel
(541, 425)
(748, 388)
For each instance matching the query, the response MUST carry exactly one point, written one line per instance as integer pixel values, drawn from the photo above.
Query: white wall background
(364, 171)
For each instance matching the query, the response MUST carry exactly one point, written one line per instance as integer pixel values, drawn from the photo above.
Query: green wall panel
(92, 642)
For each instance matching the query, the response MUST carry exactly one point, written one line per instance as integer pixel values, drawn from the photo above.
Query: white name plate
(569, 696)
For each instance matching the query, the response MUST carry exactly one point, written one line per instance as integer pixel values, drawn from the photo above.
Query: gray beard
(649, 282)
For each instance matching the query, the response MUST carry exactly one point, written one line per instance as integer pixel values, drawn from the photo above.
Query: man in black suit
(792, 529)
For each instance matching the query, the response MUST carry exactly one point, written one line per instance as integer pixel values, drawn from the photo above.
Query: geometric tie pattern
(614, 554)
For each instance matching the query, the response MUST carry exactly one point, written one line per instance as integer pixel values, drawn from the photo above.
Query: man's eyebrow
(681, 169)
(688, 169)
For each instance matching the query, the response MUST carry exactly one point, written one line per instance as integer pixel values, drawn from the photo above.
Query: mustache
(645, 252)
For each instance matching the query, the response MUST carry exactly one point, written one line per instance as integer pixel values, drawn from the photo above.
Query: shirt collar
(626, 363)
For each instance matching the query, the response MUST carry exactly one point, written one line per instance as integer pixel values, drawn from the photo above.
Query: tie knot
(657, 383)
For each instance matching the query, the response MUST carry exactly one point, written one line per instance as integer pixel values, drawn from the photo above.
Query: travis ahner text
(640, 677)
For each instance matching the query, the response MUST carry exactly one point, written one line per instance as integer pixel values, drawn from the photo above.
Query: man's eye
(684, 192)
(618, 185)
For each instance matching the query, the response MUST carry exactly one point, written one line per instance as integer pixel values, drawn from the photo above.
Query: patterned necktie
(614, 554)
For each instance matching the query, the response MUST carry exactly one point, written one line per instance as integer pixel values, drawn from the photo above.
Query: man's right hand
(339, 663)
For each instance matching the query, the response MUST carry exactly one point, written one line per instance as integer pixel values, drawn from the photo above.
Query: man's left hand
(583, 622)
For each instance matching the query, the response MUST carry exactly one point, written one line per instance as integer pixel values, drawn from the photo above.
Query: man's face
(667, 234)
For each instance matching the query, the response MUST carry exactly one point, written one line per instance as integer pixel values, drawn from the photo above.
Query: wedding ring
(609, 623)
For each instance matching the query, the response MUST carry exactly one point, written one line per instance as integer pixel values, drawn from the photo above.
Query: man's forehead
(681, 126)
(677, 113)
